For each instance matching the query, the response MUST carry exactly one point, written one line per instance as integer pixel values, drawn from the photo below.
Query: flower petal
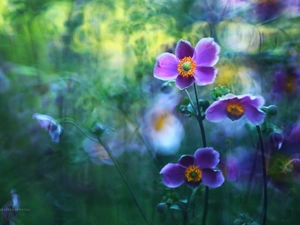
(256, 101)
(216, 112)
(173, 175)
(184, 82)
(206, 52)
(186, 160)
(206, 158)
(212, 178)
(184, 49)
(166, 66)
(205, 75)
(254, 115)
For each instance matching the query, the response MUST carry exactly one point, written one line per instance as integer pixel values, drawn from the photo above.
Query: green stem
(185, 211)
(265, 193)
(115, 163)
(203, 136)
(125, 179)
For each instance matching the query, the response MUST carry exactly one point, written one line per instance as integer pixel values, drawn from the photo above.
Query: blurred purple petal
(184, 82)
(184, 49)
(216, 112)
(206, 158)
(166, 66)
(173, 175)
(206, 52)
(186, 160)
(212, 178)
(205, 75)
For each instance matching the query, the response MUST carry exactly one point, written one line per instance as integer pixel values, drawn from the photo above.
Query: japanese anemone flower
(194, 170)
(235, 106)
(189, 64)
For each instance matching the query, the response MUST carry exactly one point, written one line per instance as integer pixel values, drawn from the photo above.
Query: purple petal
(212, 178)
(256, 101)
(184, 82)
(166, 66)
(206, 52)
(254, 115)
(173, 175)
(205, 75)
(206, 158)
(186, 160)
(184, 49)
(44, 120)
(216, 112)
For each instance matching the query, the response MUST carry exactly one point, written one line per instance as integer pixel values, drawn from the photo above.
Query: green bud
(161, 207)
(272, 110)
(218, 92)
(98, 129)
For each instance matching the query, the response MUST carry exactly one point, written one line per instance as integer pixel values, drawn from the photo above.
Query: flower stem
(203, 136)
(185, 211)
(115, 163)
(125, 179)
(265, 193)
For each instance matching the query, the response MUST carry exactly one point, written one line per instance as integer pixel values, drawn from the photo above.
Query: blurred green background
(92, 61)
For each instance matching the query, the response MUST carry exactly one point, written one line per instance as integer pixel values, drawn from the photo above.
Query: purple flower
(294, 135)
(48, 123)
(189, 64)
(194, 170)
(287, 81)
(235, 106)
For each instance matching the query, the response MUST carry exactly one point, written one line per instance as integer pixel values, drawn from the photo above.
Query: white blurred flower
(98, 155)
(161, 128)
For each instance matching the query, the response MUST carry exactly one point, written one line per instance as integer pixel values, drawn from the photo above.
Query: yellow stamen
(291, 85)
(235, 109)
(161, 120)
(193, 174)
(186, 67)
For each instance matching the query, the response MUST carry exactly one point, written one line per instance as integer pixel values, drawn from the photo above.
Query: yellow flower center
(161, 120)
(186, 67)
(235, 109)
(193, 174)
(291, 85)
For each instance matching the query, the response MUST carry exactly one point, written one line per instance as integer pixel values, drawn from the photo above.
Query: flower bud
(161, 207)
(272, 110)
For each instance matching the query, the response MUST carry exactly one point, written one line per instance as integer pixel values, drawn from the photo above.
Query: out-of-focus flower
(189, 64)
(287, 82)
(194, 170)
(48, 123)
(161, 127)
(294, 135)
(230, 168)
(276, 139)
(15, 199)
(9, 211)
(268, 9)
(235, 106)
(98, 155)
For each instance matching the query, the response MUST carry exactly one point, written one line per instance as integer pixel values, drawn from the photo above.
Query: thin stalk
(185, 211)
(265, 193)
(203, 136)
(115, 163)
(124, 178)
